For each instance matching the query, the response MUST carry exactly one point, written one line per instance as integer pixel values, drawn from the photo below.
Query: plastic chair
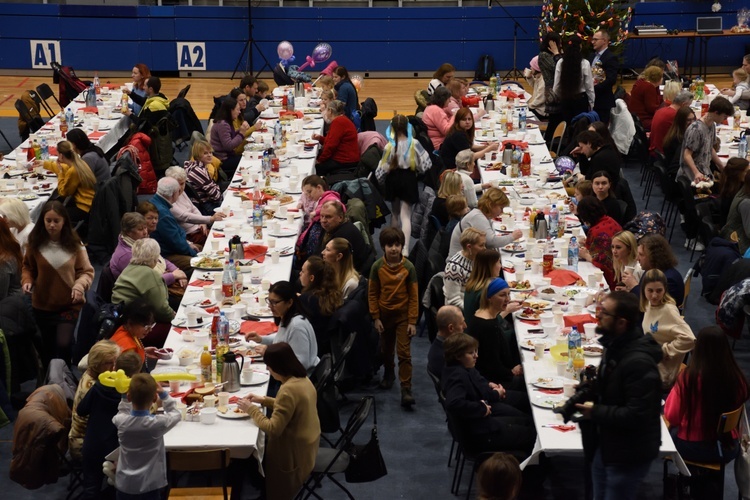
(45, 92)
(196, 461)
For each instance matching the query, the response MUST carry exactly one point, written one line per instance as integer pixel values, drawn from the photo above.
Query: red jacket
(341, 142)
(660, 125)
(599, 245)
(142, 142)
(644, 101)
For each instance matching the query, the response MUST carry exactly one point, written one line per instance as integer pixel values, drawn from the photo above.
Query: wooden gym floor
(390, 94)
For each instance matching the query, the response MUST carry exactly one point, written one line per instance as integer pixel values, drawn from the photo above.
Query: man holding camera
(621, 429)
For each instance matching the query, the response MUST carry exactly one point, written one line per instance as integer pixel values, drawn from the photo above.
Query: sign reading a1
(191, 55)
(43, 52)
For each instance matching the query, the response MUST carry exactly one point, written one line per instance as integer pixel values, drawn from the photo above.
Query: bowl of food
(185, 356)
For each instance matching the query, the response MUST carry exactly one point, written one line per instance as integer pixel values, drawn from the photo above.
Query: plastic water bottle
(574, 343)
(277, 134)
(522, 119)
(554, 220)
(742, 148)
(45, 149)
(290, 101)
(223, 332)
(573, 254)
(227, 285)
(69, 117)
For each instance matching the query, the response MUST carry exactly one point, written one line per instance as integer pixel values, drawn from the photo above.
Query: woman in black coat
(594, 154)
(484, 411)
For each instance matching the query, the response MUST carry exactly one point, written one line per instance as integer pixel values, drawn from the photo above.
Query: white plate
(296, 190)
(593, 354)
(283, 233)
(285, 253)
(528, 344)
(231, 415)
(297, 215)
(514, 249)
(531, 126)
(259, 378)
(261, 313)
(548, 382)
(548, 401)
(546, 304)
(307, 155)
(206, 306)
(195, 260)
(27, 197)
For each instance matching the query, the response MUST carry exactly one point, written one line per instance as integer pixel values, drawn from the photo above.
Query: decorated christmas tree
(584, 17)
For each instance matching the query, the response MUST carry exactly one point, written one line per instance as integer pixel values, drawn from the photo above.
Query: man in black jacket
(604, 65)
(335, 224)
(623, 431)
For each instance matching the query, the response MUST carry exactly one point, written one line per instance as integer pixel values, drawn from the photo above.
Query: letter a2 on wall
(191, 56)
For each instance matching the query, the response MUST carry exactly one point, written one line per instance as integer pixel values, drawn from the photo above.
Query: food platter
(548, 401)
(548, 382)
(232, 412)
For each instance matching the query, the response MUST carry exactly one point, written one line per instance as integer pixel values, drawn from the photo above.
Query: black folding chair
(45, 92)
(33, 122)
(40, 102)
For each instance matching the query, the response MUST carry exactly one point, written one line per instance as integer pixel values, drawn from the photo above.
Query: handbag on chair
(365, 461)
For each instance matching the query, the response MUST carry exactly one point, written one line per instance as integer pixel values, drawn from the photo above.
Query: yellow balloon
(121, 382)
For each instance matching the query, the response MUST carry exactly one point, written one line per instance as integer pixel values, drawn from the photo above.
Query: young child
(739, 78)
(142, 468)
(325, 82)
(394, 306)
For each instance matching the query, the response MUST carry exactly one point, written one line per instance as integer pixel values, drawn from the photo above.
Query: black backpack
(485, 68)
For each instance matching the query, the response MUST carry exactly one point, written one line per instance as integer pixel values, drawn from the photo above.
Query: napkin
(201, 283)
(534, 322)
(217, 235)
(510, 94)
(563, 277)
(550, 391)
(91, 109)
(111, 85)
(517, 144)
(262, 328)
(562, 427)
(97, 135)
(256, 252)
(579, 320)
(291, 114)
(52, 150)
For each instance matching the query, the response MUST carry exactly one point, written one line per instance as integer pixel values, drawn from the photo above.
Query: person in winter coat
(91, 154)
(403, 160)
(602, 227)
(622, 428)
(345, 91)
(340, 151)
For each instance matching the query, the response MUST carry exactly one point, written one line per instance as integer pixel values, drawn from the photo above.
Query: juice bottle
(206, 365)
(63, 124)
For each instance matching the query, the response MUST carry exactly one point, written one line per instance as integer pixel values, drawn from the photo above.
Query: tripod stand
(514, 73)
(249, 48)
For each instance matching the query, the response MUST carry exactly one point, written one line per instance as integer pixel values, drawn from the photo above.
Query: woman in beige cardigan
(662, 320)
(293, 429)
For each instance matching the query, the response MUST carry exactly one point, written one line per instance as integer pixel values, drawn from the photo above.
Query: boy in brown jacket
(394, 305)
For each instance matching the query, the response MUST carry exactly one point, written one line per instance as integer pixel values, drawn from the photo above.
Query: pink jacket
(438, 121)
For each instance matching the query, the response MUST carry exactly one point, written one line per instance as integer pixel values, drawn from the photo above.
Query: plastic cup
(265, 285)
(192, 317)
(223, 398)
(207, 291)
(539, 349)
(215, 244)
(182, 408)
(275, 256)
(569, 388)
(208, 415)
(246, 377)
(562, 367)
(271, 242)
(589, 331)
(520, 273)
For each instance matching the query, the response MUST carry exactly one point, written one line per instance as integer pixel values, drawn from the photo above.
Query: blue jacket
(169, 233)
(348, 95)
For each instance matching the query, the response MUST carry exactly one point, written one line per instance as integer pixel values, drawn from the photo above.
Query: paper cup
(208, 292)
(550, 330)
(629, 269)
(282, 211)
(271, 242)
(539, 349)
(239, 311)
(589, 331)
(569, 388)
(215, 244)
(192, 317)
(265, 285)
(223, 398)
(174, 386)
(246, 377)
(520, 273)
(275, 256)
(562, 368)
(290, 218)
(208, 415)
(182, 408)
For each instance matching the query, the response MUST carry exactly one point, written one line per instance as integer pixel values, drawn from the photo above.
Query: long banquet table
(525, 192)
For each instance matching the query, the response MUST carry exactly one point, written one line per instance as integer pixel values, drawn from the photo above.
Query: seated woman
(598, 246)
(224, 138)
(320, 298)
(594, 155)
(466, 168)
(101, 358)
(442, 77)
(499, 360)
(655, 252)
(199, 177)
(460, 137)
(294, 328)
(141, 280)
(437, 117)
(293, 430)
(16, 214)
(711, 384)
(338, 253)
(345, 91)
(340, 152)
(625, 255)
(188, 216)
(137, 322)
(645, 96)
(662, 320)
(11, 262)
(458, 266)
(140, 76)
(458, 88)
(315, 193)
(451, 184)
(732, 182)
(601, 183)
(490, 205)
(91, 154)
(74, 178)
(479, 406)
(738, 217)
(133, 227)
(241, 97)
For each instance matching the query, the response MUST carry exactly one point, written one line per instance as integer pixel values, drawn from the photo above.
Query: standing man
(604, 66)
(698, 145)
(622, 428)
(450, 320)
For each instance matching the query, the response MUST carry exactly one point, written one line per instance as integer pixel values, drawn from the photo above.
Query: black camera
(586, 391)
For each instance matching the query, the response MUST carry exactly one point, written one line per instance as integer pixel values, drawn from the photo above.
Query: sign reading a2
(191, 56)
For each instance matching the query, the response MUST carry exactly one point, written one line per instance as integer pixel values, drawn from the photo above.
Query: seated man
(335, 224)
(249, 85)
(450, 320)
(170, 235)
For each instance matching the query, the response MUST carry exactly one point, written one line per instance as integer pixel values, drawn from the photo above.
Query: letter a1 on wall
(191, 56)
(44, 52)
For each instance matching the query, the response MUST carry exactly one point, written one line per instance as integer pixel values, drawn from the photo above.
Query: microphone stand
(514, 73)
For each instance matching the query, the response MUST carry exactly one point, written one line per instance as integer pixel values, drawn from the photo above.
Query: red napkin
(97, 135)
(530, 321)
(550, 391)
(262, 328)
(53, 150)
(218, 235)
(256, 252)
(211, 310)
(470, 101)
(563, 277)
(510, 94)
(111, 85)
(234, 399)
(579, 320)
(90, 109)
(292, 114)
(201, 283)
(517, 144)
(563, 427)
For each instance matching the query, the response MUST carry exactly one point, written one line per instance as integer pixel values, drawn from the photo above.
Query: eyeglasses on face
(271, 302)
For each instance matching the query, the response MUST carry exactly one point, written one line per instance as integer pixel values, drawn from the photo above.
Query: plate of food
(206, 263)
(206, 303)
(531, 126)
(260, 312)
(520, 286)
(515, 247)
(548, 401)
(573, 292)
(28, 196)
(529, 314)
(593, 350)
(537, 305)
(297, 215)
(231, 412)
(311, 111)
(494, 166)
(202, 320)
(548, 382)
